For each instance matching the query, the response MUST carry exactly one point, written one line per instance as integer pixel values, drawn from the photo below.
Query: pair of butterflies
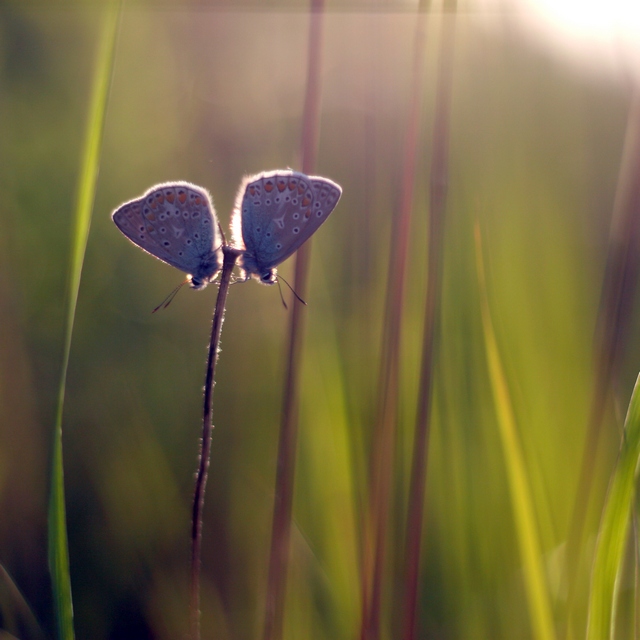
(274, 214)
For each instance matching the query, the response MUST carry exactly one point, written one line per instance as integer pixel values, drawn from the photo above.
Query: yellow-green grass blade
(536, 587)
(58, 545)
(614, 529)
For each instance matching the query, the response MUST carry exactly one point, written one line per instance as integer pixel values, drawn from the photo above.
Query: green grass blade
(58, 546)
(522, 502)
(614, 529)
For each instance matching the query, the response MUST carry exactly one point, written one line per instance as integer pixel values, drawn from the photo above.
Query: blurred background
(209, 93)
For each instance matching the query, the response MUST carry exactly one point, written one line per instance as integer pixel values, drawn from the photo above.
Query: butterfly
(175, 222)
(275, 213)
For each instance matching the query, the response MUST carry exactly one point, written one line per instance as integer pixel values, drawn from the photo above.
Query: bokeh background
(209, 93)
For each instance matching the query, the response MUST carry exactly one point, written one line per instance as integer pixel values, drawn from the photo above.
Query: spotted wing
(175, 222)
(279, 211)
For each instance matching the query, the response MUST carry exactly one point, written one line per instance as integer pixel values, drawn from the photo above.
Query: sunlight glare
(593, 17)
(600, 32)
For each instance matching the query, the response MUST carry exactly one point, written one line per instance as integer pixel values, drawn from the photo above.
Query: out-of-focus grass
(15, 612)
(279, 554)
(526, 519)
(614, 529)
(88, 174)
(207, 96)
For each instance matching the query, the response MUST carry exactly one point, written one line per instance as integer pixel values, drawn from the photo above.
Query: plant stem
(286, 464)
(382, 449)
(230, 257)
(439, 186)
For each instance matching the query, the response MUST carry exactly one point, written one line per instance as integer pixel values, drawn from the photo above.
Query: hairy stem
(230, 257)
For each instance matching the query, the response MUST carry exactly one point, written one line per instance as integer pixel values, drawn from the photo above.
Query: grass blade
(281, 525)
(15, 611)
(58, 545)
(614, 529)
(376, 529)
(612, 335)
(521, 499)
(439, 187)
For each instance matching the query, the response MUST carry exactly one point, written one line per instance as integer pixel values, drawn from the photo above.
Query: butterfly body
(176, 223)
(275, 213)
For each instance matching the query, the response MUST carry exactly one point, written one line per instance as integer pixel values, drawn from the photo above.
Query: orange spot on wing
(182, 197)
(307, 213)
(268, 186)
(282, 185)
(150, 216)
(306, 201)
(252, 191)
(171, 197)
(198, 200)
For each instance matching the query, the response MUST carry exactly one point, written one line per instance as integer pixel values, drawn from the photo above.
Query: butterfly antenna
(292, 290)
(284, 304)
(167, 301)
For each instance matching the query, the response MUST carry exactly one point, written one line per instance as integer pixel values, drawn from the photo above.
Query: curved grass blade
(522, 502)
(15, 610)
(58, 544)
(614, 529)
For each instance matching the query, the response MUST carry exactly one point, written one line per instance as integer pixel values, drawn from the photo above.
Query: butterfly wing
(278, 211)
(174, 222)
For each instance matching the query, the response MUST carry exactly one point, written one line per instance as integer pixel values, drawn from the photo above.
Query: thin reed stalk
(616, 304)
(439, 186)
(230, 256)
(58, 547)
(382, 450)
(286, 462)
